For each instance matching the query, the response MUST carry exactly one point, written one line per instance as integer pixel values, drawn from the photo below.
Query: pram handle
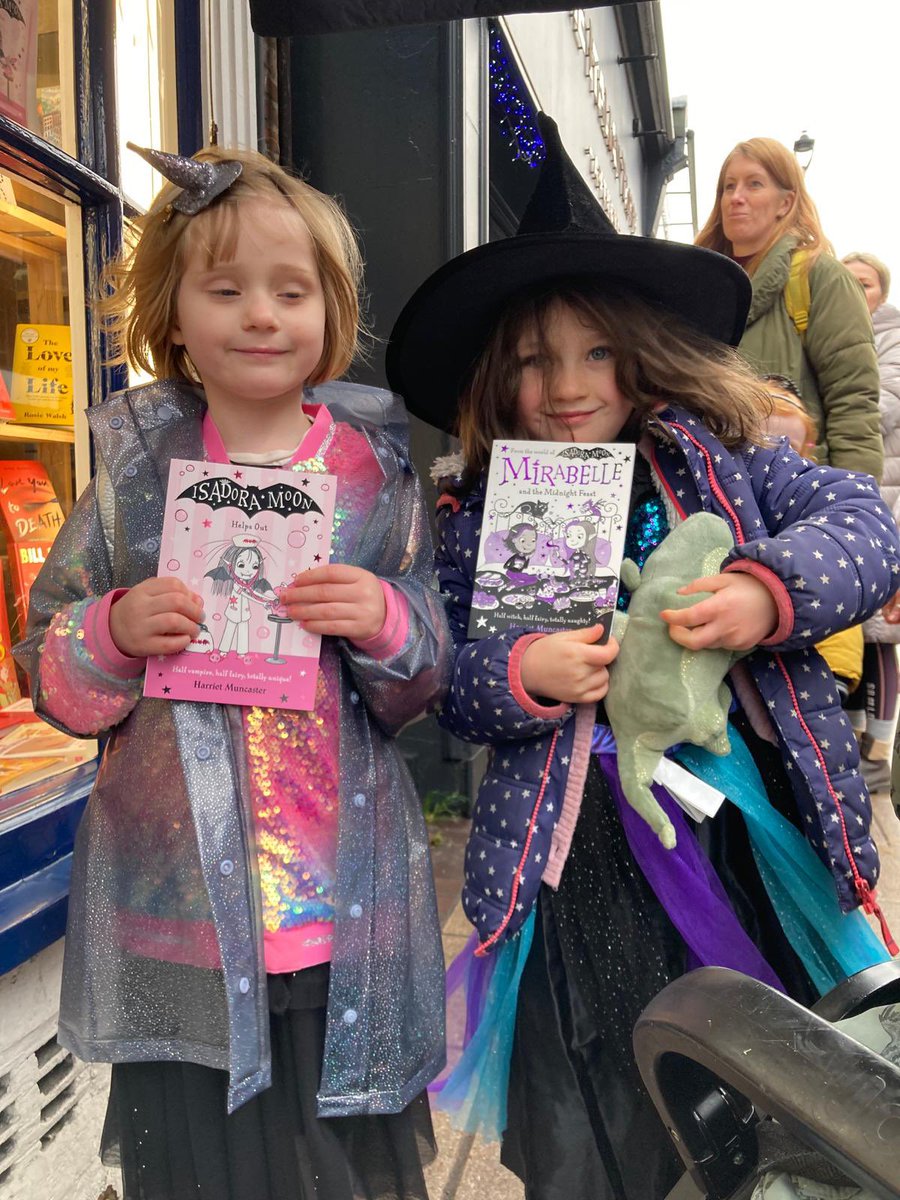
(835, 1095)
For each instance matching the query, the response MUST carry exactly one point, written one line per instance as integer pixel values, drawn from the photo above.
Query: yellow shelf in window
(10, 432)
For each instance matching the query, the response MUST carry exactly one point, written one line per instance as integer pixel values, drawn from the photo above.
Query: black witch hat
(563, 234)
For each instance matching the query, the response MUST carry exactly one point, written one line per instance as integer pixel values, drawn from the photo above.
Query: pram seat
(719, 1051)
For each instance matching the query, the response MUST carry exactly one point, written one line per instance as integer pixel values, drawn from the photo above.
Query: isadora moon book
(237, 535)
(552, 536)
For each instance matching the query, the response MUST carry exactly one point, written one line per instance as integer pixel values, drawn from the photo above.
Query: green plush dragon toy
(661, 694)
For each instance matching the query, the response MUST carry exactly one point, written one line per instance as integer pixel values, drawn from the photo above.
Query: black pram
(748, 1081)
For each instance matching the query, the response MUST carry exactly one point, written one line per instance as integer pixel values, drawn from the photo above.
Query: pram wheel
(719, 1052)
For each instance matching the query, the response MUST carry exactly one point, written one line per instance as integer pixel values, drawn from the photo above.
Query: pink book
(237, 535)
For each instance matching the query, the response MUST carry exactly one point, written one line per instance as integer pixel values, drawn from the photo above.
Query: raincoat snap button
(350, 1016)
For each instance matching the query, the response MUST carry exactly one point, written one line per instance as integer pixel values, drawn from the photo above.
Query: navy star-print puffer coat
(822, 539)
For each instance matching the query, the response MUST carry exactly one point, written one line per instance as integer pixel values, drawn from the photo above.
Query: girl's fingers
(324, 594)
(172, 625)
(344, 629)
(170, 644)
(709, 583)
(600, 656)
(688, 618)
(333, 573)
(173, 602)
(324, 612)
(701, 638)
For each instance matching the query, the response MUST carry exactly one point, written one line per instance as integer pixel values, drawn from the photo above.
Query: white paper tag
(697, 798)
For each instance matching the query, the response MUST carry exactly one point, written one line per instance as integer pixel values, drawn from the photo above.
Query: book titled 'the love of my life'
(236, 535)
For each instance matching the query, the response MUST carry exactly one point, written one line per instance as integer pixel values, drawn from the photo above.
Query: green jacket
(835, 367)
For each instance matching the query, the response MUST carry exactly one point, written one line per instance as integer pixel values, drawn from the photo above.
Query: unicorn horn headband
(200, 182)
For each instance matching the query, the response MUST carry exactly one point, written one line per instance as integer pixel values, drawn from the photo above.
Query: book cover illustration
(552, 536)
(9, 683)
(32, 517)
(236, 535)
(41, 392)
(19, 33)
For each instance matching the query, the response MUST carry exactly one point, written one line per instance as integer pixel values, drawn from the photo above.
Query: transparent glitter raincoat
(167, 838)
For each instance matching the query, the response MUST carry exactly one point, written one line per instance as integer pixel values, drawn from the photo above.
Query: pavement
(466, 1168)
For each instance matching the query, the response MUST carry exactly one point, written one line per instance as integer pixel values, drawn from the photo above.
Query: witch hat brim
(443, 328)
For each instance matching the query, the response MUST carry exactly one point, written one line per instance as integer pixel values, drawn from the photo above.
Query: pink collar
(308, 448)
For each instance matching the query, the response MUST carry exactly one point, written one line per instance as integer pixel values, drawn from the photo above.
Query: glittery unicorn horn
(201, 182)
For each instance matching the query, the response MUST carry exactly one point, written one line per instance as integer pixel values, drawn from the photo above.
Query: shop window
(34, 90)
(145, 45)
(42, 389)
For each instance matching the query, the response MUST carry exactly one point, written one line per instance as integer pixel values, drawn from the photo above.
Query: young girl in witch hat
(241, 941)
(568, 332)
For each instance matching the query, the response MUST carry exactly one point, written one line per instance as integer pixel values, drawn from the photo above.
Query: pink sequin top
(293, 757)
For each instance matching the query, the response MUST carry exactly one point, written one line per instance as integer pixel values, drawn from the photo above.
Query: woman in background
(873, 709)
(807, 319)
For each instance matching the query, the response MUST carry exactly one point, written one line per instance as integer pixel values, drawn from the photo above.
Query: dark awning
(287, 18)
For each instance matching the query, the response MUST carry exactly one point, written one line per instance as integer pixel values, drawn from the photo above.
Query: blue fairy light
(517, 117)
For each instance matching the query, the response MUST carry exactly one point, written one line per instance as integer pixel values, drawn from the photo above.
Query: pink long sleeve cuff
(390, 638)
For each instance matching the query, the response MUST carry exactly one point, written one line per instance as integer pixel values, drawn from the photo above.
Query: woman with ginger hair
(815, 330)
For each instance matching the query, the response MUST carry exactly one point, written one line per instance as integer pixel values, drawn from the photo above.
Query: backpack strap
(796, 292)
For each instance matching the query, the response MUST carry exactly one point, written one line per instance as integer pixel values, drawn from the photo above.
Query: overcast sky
(771, 68)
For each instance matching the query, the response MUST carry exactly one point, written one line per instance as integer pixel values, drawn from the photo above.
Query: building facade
(428, 134)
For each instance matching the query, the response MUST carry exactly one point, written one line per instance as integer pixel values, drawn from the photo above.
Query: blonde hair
(658, 360)
(138, 307)
(783, 404)
(801, 220)
(884, 275)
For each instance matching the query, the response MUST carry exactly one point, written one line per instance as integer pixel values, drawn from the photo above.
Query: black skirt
(167, 1125)
(581, 1125)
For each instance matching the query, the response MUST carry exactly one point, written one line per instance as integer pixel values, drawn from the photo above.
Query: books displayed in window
(41, 391)
(9, 683)
(552, 536)
(32, 517)
(31, 751)
(73, 783)
(7, 412)
(236, 535)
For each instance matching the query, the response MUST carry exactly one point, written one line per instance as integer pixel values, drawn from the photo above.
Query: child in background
(843, 651)
(253, 938)
(568, 332)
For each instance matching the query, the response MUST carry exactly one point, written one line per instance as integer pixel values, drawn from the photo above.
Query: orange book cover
(27, 559)
(32, 516)
(9, 684)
